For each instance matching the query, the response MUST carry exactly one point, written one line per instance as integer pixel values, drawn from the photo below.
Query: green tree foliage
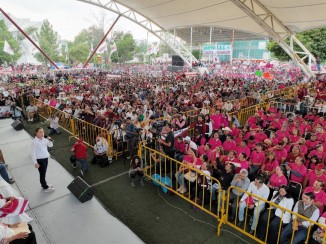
(126, 45)
(313, 39)
(197, 53)
(48, 40)
(14, 44)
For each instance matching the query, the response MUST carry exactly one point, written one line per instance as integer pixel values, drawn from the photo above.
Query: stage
(58, 216)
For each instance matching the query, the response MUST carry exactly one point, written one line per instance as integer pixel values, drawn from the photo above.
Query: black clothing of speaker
(177, 60)
(17, 125)
(81, 190)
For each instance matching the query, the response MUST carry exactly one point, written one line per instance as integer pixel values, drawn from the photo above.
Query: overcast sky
(68, 17)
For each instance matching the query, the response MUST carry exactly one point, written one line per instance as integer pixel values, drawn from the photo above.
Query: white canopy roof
(296, 15)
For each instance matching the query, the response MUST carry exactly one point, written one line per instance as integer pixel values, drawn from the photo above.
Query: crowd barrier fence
(161, 169)
(268, 207)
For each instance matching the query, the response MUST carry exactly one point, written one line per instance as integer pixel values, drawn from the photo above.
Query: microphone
(46, 137)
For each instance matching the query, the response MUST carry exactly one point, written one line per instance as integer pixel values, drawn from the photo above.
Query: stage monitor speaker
(81, 190)
(17, 125)
(177, 60)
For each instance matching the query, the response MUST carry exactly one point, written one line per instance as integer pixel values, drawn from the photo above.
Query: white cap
(187, 138)
(227, 128)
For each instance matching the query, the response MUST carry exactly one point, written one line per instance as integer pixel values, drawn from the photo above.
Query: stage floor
(58, 216)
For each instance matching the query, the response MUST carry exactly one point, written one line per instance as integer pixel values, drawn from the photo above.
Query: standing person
(168, 145)
(80, 154)
(40, 156)
(131, 137)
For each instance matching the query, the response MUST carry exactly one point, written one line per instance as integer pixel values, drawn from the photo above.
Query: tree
(14, 44)
(314, 40)
(48, 40)
(140, 50)
(126, 45)
(197, 53)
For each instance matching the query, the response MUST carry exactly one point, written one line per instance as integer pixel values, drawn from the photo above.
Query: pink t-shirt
(245, 150)
(279, 154)
(269, 166)
(319, 197)
(214, 143)
(229, 145)
(300, 169)
(312, 177)
(257, 158)
(217, 121)
(277, 181)
(281, 134)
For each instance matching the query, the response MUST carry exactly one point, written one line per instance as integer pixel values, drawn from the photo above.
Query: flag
(102, 48)
(113, 48)
(153, 49)
(7, 48)
(66, 51)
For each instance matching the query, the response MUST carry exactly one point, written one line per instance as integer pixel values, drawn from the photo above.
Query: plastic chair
(295, 190)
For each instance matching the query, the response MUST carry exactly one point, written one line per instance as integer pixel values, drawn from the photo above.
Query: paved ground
(154, 216)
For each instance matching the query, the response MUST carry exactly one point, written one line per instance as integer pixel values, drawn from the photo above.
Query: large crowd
(276, 155)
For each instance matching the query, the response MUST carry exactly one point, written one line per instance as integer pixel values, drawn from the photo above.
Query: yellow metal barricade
(158, 167)
(269, 207)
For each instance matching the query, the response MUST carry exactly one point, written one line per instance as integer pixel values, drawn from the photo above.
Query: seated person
(136, 171)
(7, 235)
(320, 195)
(100, 151)
(240, 181)
(313, 175)
(179, 146)
(297, 169)
(319, 234)
(269, 166)
(31, 111)
(304, 207)
(258, 188)
(273, 215)
(277, 179)
(189, 161)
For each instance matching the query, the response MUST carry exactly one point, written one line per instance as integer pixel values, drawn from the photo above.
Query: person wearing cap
(320, 195)
(226, 132)
(313, 175)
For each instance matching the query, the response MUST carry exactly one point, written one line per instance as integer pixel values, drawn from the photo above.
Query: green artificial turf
(154, 216)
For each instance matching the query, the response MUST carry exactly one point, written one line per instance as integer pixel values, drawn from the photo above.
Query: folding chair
(295, 190)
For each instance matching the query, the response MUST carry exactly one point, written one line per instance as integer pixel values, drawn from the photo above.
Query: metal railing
(271, 206)
(158, 167)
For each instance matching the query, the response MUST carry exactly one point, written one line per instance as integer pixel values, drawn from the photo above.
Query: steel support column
(276, 29)
(148, 25)
(27, 37)
(103, 39)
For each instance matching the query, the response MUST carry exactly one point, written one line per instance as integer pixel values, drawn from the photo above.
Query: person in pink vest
(298, 170)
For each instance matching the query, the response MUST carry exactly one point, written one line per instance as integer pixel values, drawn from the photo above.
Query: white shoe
(50, 189)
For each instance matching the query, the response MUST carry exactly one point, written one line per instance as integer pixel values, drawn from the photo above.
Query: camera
(118, 122)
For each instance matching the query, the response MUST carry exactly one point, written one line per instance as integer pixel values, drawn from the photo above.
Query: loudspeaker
(177, 60)
(81, 190)
(17, 125)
